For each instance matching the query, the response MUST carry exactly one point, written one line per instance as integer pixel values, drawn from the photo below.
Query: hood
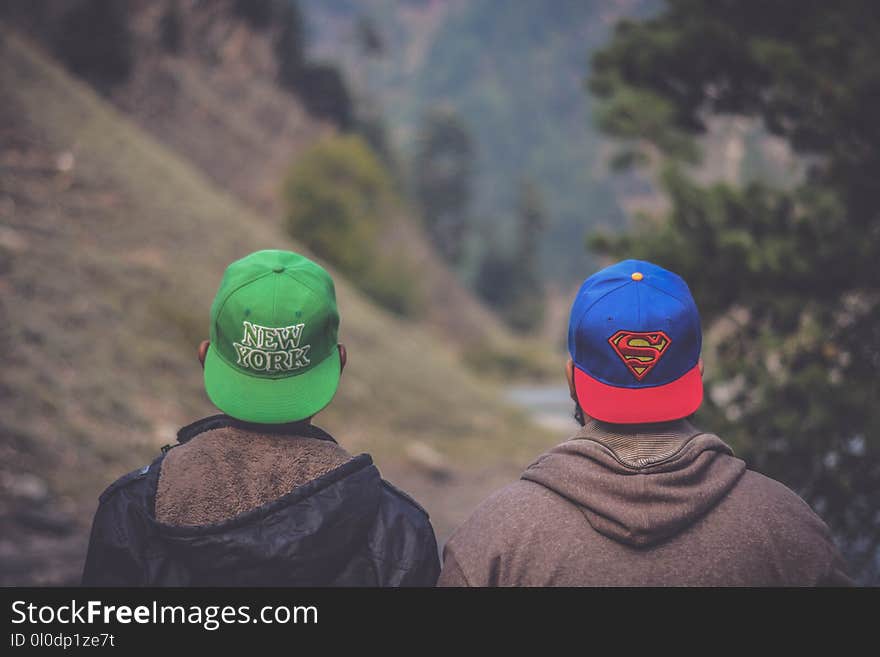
(642, 484)
(239, 506)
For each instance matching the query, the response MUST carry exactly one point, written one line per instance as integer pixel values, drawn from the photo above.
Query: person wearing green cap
(258, 495)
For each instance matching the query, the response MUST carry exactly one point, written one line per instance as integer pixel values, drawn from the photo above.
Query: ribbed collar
(639, 445)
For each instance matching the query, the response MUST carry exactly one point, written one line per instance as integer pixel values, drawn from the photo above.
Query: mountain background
(145, 144)
(514, 73)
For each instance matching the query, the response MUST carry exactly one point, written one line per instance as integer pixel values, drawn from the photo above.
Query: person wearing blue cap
(640, 496)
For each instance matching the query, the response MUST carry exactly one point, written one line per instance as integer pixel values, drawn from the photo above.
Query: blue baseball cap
(634, 337)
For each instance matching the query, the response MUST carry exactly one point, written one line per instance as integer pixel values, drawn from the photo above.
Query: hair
(579, 414)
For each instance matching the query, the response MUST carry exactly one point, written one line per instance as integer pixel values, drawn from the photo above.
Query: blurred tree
(511, 282)
(339, 201)
(324, 93)
(25, 11)
(94, 41)
(790, 275)
(370, 124)
(290, 45)
(532, 221)
(444, 170)
(335, 194)
(320, 87)
(171, 28)
(368, 37)
(259, 13)
(495, 275)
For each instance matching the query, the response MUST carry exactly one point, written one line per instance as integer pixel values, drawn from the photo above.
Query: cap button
(637, 276)
(278, 269)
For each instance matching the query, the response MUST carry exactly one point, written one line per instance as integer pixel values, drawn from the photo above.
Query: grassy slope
(217, 103)
(106, 277)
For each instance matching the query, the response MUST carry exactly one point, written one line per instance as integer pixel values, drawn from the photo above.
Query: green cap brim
(270, 401)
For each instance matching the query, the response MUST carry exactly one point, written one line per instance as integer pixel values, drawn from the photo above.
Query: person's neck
(639, 445)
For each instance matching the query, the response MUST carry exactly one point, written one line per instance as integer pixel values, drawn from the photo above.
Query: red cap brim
(616, 405)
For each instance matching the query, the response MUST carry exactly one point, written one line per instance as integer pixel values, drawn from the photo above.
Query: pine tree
(290, 45)
(171, 29)
(787, 276)
(510, 280)
(444, 170)
(94, 41)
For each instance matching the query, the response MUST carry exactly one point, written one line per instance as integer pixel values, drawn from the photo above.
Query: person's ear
(203, 351)
(700, 365)
(569, 376)
(343, 357)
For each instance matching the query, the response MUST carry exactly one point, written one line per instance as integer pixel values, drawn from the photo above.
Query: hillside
(514, 73)
(216, 101)
(111, 248)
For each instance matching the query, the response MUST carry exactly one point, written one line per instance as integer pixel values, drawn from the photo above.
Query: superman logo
(640, 351)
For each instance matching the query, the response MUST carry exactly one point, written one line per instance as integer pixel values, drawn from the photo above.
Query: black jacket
(347, 527)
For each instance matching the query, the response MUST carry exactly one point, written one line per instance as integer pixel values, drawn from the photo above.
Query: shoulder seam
(405, 496)
(125, 480)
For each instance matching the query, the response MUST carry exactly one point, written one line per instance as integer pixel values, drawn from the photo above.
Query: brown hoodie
(663, 505)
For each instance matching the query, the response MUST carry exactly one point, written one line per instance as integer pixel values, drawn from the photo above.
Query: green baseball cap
(273, 356)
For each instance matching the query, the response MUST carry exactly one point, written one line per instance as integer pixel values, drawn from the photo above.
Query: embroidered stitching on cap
(640, 351)
(268, 349)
